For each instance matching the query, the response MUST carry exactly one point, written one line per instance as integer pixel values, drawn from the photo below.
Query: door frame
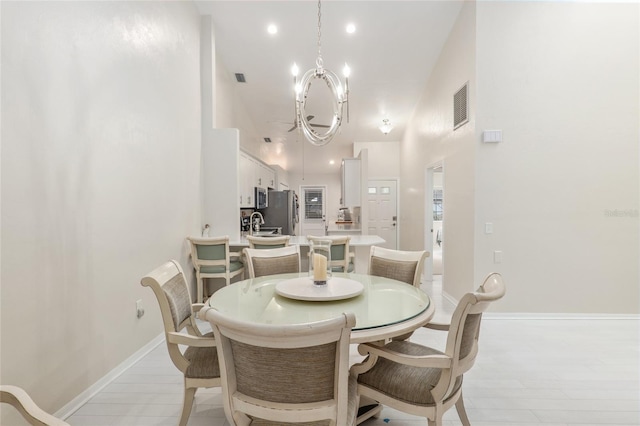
(428, 217)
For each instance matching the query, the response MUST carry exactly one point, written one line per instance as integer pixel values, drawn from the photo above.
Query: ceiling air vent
(267, 140)
(461, 107)
(240, 78)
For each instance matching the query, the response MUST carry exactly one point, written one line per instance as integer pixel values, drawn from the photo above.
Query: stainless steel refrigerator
(282, 211)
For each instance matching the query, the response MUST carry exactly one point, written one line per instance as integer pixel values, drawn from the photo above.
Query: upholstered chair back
(261, 262)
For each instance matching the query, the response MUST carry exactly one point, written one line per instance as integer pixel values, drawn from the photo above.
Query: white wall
(429, 139)
(231, 112)
(100, 153)
(561, 81)
(384, 158)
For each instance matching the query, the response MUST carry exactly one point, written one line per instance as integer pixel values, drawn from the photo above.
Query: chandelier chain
(319, 59)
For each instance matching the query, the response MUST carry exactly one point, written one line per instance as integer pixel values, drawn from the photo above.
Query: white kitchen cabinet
(266, 177)
(246, 180)
(282, 178)
(252, 174)
(351, 185)
(271, 178)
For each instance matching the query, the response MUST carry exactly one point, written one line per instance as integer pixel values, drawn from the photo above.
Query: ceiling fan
(309, 118)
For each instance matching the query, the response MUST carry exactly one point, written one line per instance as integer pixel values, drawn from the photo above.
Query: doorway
(382, 199)
(434, 222)
(314, 210)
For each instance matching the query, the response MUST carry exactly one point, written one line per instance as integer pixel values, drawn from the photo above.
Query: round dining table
(383, 307)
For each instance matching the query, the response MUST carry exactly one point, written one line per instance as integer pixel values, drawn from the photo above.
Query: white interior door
(383, 211)
(313, 210)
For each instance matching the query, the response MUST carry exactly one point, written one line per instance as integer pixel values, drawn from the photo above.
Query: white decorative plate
(303, 288)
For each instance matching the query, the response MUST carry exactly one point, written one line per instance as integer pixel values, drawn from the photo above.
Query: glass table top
(383, 302)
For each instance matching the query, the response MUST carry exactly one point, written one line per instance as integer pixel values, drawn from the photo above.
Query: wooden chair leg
(437, 418)
(189, 395)
(199, 285)
(462, 412)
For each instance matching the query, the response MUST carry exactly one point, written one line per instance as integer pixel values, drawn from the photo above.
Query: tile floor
(528, 372)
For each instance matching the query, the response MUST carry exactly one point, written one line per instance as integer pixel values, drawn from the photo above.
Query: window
(313, 203)
(437, 204)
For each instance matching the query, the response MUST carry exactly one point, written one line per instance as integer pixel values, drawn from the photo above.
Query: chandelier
(339, 92)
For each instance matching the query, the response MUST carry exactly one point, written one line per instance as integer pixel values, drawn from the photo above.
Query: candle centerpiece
(320, 261)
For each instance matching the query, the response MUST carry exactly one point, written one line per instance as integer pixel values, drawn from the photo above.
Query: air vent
(240, 78)
(460, 107)
(267, 140)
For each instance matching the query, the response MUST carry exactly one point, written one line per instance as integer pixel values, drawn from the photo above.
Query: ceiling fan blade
(320, 125)
(309, 118)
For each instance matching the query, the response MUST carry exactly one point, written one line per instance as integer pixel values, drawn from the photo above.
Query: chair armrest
(189, 340)
(437, 326)
(195, 307)
(202, 313)
(19, 398)
(434, 361)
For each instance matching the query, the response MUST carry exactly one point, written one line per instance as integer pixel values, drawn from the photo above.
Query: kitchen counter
(352, 229)
(360, 243)
(356, 241)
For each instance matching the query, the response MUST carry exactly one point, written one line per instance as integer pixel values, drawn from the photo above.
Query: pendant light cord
(319, 60)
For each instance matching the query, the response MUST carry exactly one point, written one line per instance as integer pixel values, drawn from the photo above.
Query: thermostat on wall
(492, 136)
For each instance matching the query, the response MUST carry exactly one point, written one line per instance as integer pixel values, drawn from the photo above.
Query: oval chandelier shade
(340, 96)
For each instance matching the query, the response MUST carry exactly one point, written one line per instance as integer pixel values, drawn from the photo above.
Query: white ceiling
(391, 54)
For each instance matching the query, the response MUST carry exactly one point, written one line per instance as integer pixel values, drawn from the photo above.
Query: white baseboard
(77, 402)
(546, 316)
(449, 298)
(557, 316)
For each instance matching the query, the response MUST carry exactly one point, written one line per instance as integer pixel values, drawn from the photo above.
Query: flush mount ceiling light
(340, 95)
(386, 126)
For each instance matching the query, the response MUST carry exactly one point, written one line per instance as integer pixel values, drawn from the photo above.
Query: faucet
(258, 221)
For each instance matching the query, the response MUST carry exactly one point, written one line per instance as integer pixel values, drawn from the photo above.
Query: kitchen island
(360, 243)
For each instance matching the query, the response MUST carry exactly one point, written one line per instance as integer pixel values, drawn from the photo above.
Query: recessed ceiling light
(351, 28)
(272, 29)
(332, 162)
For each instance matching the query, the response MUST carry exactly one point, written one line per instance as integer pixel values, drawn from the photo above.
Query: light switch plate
(492, 136)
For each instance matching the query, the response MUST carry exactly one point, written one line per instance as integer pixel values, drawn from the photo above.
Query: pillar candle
(319, 267)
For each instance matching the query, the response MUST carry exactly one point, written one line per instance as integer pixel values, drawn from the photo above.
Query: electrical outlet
(488, 228)
(139, 308)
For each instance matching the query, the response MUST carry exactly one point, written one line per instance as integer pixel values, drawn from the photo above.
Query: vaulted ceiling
(391, 53)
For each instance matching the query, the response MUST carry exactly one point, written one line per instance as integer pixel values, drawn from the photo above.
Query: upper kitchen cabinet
(253, 173)
(351, 183)
(282, 178)
(246, 180)
(266, 176)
